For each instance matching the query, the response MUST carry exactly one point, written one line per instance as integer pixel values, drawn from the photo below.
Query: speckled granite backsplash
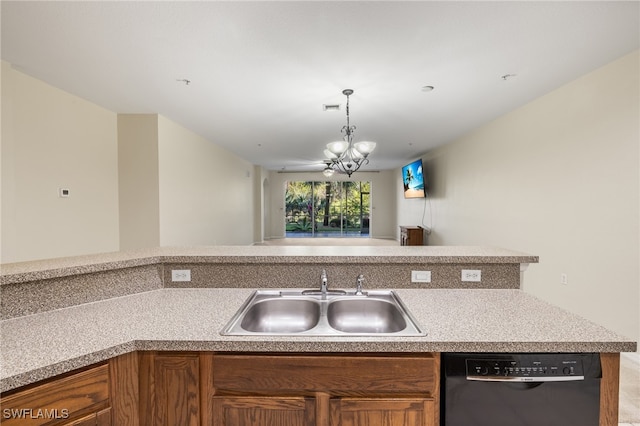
(32, 287)
(301, 275)
(45, 295)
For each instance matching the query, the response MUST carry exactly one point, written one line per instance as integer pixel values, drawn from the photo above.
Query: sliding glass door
(327, 209)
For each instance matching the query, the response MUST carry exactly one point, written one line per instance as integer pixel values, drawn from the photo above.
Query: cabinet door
(263, 411)
(383, 412)
(102, 418)
(169, 390)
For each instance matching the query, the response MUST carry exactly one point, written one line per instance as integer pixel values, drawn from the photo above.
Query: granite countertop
(60, 267)
(39, 346)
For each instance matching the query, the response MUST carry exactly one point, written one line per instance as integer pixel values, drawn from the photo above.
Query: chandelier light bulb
(328, 171)
(338, 148)
(365, 147)
(330, 155)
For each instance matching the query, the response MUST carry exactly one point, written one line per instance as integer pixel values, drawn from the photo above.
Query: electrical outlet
(181, 275)
(420, 276)
(471, 275)
(564, 279)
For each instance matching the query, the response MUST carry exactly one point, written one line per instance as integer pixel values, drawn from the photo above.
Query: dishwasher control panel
(528, 369)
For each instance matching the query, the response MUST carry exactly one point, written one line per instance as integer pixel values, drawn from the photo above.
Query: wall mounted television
(413, 180)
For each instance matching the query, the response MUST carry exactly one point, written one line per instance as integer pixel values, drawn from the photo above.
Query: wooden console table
(411, 236)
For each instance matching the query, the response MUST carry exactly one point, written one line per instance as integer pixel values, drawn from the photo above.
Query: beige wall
(178, 189)
(136, 180)
(558, 178)
(261, 202)
(51, 139)
(206, 192)
(383, 222)
(138, 176)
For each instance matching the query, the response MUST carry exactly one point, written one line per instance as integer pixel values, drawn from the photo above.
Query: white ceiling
(261, 71)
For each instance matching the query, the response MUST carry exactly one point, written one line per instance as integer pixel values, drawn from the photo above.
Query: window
(327, 209)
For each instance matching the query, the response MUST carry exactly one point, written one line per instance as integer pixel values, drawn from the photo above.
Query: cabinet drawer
(102, 418)
(58, 399)
(286, 373)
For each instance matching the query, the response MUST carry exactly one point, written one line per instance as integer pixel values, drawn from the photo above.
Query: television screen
(413, 180)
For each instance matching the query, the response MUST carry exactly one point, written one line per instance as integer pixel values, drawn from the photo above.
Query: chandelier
(346, 156)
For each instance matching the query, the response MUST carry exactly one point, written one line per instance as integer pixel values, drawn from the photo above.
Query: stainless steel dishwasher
(526, 389)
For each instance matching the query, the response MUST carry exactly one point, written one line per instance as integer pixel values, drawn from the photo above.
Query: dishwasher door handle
(525, 379)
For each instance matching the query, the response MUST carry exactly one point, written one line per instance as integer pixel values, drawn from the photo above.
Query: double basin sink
(292, 312)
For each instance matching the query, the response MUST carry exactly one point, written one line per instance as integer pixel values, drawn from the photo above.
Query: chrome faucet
(324, 284)
(324, 288)
(359, 282)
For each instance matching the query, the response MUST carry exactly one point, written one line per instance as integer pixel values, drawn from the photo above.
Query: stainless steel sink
(364, 315)
(294, 312)
(281, 316)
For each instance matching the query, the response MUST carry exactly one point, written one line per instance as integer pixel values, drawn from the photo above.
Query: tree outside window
(327, 209)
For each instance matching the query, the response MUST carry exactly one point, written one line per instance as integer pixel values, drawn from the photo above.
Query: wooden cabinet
(609, 388)
(411, 236)
(78, 399)
(169, 389)
(229, 389)
(326, 390)
(263, 410)
(383, 411)
(100, 395)
(101, 418)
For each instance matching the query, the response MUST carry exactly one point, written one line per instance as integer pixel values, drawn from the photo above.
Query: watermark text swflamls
(39, 413)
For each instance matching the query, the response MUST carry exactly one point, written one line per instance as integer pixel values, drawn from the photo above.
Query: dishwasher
(522, 389)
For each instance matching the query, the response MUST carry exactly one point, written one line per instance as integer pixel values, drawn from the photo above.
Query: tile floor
(629, 412)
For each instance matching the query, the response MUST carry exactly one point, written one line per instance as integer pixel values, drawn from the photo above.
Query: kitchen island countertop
(46, 344)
